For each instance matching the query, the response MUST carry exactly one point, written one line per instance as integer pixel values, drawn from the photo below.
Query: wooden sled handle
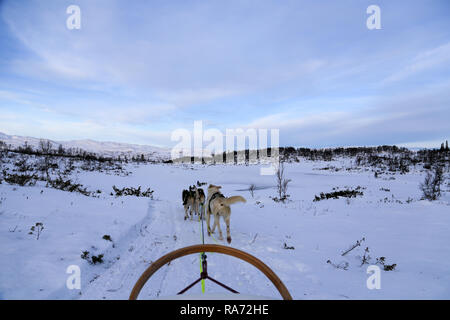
(155, 266)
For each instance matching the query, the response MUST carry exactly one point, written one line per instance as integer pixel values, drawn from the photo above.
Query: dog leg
(227, 222)
(208, 218)
(196, 208)
(185, 212)
(214, 224)
(217, 223)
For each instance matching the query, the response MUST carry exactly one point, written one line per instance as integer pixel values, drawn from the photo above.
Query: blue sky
(137, 70)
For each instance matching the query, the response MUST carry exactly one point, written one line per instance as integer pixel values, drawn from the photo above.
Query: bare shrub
(37, 229)
(252, 189)
(282, 183)
(431, 187)
(132, 192)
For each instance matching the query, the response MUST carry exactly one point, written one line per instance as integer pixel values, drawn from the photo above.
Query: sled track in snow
(162, 230)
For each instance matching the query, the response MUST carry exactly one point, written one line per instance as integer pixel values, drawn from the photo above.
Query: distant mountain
(102, 148)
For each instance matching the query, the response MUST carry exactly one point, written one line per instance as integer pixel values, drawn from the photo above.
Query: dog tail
(234, 199)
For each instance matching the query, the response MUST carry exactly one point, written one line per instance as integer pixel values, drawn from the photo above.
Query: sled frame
(201, 248)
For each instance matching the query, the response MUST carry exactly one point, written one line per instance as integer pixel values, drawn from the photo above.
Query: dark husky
(192, 200)
(201, 201)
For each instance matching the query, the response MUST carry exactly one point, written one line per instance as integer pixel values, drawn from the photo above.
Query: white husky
(219, 206)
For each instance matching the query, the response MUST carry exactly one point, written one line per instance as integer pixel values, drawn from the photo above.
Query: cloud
(313, 70)
(401, 119)
(12, 123)
(422, 62)
(179, 50)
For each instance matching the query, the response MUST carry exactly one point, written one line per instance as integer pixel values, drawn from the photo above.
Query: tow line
(204, 266)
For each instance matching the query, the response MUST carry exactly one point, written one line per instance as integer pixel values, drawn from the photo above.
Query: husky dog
(199, 184)
(219, 206)
(190, 201)
(200, 196)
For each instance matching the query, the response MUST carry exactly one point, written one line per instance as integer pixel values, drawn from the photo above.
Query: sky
(138, 70)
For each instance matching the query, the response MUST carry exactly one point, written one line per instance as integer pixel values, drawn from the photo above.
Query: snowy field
(296, 238)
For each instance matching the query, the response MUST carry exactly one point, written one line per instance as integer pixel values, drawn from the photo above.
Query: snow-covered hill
(105, 148)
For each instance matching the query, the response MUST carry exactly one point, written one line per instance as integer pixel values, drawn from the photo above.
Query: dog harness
(214, 196)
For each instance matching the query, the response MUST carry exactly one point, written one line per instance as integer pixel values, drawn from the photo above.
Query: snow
(412, 234)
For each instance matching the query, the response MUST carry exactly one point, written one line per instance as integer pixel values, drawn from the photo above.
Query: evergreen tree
(60, 149)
